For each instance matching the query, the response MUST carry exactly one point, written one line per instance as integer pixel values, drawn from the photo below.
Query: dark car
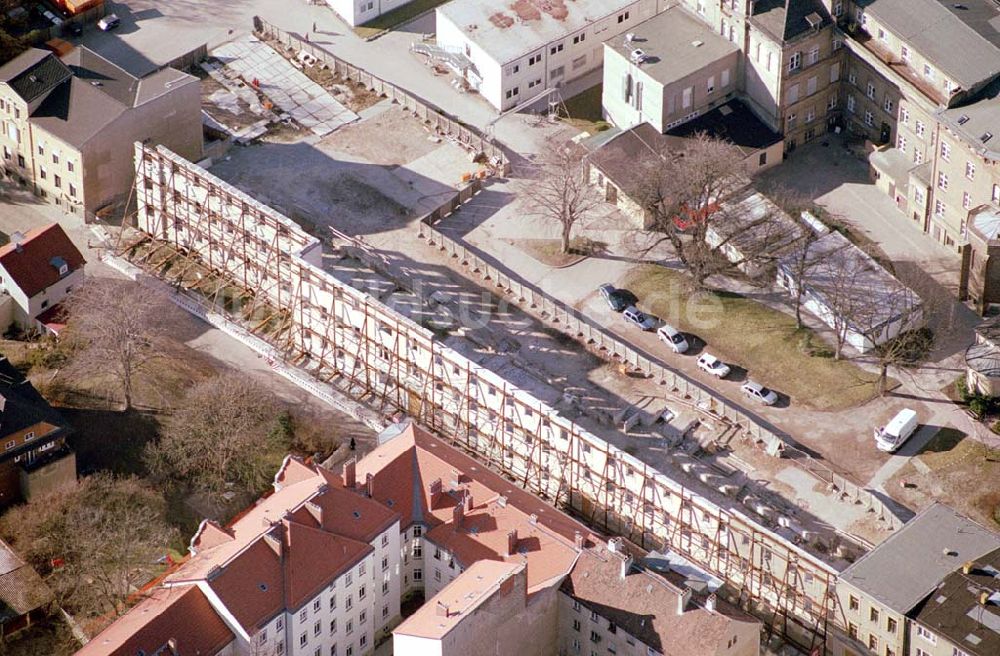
(617, 299)
(76, 29)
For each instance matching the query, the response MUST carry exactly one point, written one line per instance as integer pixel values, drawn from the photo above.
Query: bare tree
(683, 192)
(97, 541)
(562, 190)
(119, 327)
(221, 434)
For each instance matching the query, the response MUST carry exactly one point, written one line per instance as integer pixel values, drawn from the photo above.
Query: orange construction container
(59, 46)
(74, 7)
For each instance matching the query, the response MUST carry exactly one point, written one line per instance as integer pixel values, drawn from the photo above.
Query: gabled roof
(34, 73)
(183, 615)
(645, 605)
(32, 264)
(908, 566)
(21, 588)
(21, 407)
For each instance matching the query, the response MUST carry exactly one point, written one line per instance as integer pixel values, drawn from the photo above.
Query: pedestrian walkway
(309, 104)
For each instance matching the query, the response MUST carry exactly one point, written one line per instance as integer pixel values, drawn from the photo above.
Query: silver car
(635, 317)
(760, 393)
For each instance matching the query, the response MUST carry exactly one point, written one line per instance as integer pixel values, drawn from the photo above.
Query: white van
(891, 436)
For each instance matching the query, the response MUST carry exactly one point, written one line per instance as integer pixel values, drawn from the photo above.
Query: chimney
(968, 567)
(984, 598)
(369, 485)
(457, 514)
(435, 489)
(172, 647)
(626, 567)
(17, 238)
(3, 402)
(682, 600)
(512, 542)
(350, 473)
(533, 519)
(455, 479)
(578, 540)
(616, 546)
(710, 603)
(441, 609)
(469, 505)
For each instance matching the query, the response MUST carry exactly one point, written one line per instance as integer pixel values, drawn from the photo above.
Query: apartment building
(68, 124)
(512, 54)
(666, 71)
(655, 610)
(962, 615)
(882, 595)
(320, 568)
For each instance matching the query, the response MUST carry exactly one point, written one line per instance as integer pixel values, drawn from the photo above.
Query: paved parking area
(312, 106)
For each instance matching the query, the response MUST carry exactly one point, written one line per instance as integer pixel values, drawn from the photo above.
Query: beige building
(668, 70)
(68, 125)
(883, 593)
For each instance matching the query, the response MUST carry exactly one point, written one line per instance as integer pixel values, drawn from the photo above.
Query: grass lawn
(953, 468)
(549, 251)
(762, 340)
(584, 111)
(396, 17)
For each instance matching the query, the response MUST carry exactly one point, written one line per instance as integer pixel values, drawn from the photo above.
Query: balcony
(875, 54)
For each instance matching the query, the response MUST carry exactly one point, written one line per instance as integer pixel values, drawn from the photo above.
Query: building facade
(68, 125)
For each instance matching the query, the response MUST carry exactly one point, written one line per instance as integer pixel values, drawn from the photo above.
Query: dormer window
(60, 265)
(63, 269)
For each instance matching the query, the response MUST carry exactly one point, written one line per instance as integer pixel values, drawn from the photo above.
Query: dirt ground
(953, 468)
(370, 176)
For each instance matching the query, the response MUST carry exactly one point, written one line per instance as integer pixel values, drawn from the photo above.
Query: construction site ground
(403, 172)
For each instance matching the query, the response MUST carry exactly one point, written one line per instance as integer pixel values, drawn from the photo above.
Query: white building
(513, 53)
(359, 12)
(37, 271)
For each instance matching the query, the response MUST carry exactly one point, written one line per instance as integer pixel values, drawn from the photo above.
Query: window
(317, 628)
(831, 102)
(793, 94)
(873, 615)
(871, 91)
(996, 194)
(594, 636)
(333, 627)
(348, 579)
(418, 575)
(904, 115)
(834, 72)
(770, 57)
(853, 603)
(55, 158)
(69, 166)
(811, 86)
(852, 630)
(333, 602)
(623, 17)
(361, 593)
(576, 625)
(872, 642)
(593, 616)
(918, 156)
(946, 151)
(532, 60)
(926, 635)
(385, 587)
(303, 614)
(348, 627)
(918, 197)
(795, 61)
(30, 435)
(41, 149)
(904, 53)
(437, 574)
(970, 170)
(579, 38)
(41, 172)
(349, 602)
(362, 617)
(852, 76)
(813, 56)
(810, 115)
(385, 563)
(418, 551)
(955, 651)
(850, 103)
(710, 85)
(576, 606)
(938, 211)
(579, 62)
(363, 641)
(725, 78)
(361, 569)
(280, 624)
(887, 105)
(919, 128)
(928, 72)
(556, 48)
(303, 640)
(837, 44)
(686, 97)
(901, 143)
(966, 200)
(869, 118)
(942, 182)
(921, 652)
(316, 605)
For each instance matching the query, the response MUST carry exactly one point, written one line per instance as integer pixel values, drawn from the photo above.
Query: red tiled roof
(29, 264)
(314, 559)
(251, 585)
(183, 614)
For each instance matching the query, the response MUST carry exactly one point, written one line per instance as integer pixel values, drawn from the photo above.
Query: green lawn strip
(796, 362)
(396, 17)
(585, 111)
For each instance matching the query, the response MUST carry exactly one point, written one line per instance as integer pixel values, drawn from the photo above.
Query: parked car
(891, 436)
(75, 28)
(760, 393)
(614, 298)
(109, 22)
(713, 365)
(635, 317)
(672, 338)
